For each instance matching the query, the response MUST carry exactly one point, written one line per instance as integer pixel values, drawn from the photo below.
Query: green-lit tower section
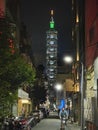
(51, 56)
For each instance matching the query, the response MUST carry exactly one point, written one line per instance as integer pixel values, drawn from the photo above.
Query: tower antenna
(52, 20)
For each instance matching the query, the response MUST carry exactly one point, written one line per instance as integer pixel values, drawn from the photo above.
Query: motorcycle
(63, 123)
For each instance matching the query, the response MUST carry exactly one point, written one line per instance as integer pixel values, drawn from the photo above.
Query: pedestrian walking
(58, 111)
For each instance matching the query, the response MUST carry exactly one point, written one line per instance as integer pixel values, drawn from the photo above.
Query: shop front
(24, 103)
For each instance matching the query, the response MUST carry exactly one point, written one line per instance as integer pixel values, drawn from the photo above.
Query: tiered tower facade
(51, 55)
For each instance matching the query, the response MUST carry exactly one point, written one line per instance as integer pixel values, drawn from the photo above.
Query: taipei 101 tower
(51, 57)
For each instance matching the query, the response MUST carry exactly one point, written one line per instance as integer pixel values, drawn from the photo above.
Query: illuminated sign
(62, 104)
(23, 94)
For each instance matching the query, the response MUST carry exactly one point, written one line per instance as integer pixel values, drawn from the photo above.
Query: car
(41, 114)
(44, 111)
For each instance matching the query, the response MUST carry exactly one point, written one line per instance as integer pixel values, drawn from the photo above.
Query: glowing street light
(58, 87)
(68, 59)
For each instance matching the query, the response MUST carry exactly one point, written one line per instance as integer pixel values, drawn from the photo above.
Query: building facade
(78, 38)
(51, 56)
(10, 25)
(91, 60)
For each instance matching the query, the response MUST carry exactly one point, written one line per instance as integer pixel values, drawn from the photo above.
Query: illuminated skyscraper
(51, 54)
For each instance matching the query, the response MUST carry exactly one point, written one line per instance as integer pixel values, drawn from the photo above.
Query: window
(51, 36)
(51, 42)
(51, 62)
(51, 49)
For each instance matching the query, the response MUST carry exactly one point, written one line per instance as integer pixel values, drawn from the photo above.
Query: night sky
(36, 16)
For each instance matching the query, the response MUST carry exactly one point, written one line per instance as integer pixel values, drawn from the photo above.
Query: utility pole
(82, 96)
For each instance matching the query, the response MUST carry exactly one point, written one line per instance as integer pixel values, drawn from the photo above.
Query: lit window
(51, 49)
(51, 69)
(51, 76)
(51, 36)
(51, 42)
(51, 56)
(51, 62)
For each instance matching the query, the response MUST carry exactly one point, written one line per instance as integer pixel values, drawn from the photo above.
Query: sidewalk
(73, 126)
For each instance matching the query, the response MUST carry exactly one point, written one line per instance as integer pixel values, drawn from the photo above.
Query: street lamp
(58, 87)
(69, 59)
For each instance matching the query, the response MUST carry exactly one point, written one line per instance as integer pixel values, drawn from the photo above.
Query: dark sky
(36, 16)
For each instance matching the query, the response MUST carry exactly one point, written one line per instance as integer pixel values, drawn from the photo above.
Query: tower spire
(52, 20)
(52, 12)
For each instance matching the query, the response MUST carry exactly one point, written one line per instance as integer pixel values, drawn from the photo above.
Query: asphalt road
(49, 124)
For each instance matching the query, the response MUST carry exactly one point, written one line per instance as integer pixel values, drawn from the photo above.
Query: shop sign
(23, 94)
